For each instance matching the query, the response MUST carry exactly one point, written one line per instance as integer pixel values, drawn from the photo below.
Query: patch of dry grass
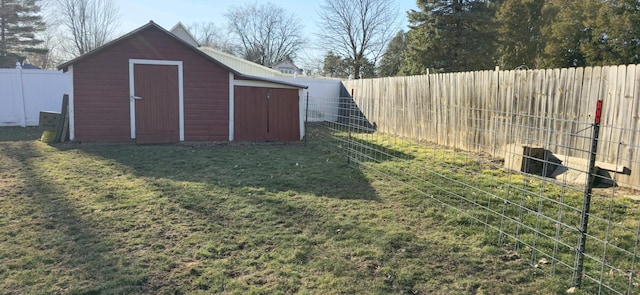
(231, 218)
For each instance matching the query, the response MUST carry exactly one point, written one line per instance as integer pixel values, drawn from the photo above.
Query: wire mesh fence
(526, 192)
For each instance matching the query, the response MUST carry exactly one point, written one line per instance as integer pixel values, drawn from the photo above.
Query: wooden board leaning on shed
(58, 122)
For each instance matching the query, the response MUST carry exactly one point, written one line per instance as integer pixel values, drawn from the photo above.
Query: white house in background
(181, 32)
(287, 67)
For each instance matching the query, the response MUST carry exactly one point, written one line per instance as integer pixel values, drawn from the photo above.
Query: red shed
(149, 86)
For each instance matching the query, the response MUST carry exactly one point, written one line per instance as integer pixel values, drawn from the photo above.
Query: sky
(136, 13)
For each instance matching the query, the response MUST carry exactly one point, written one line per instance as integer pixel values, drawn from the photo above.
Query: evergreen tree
(392, 58)
(335, 66)
(19, 22)
(449, 36)
(614, 33)
(339, 67)
(416, 61)
(367, 68)
(519, 24)
(564, 31)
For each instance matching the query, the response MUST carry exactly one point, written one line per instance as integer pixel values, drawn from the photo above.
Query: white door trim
(72, 109)
(302, 114)
(132, 102)
(231, 106)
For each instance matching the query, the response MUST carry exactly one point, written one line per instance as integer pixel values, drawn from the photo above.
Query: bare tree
(312, 63)
(267, 34)
(88, 23)
(47, 59)
(357, 30)
(210, 35)
(52, 38)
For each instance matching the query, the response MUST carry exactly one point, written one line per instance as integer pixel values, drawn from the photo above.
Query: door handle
(135, 97)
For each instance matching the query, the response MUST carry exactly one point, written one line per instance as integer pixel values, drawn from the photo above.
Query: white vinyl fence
(25, 92)
(324, 97)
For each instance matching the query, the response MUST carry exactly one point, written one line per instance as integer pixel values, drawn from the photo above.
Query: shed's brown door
(266, 114)
(250, 113)
(157, 108)
(283, 114)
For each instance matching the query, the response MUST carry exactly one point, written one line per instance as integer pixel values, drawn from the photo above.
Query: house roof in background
(285, 62)
(181, 32)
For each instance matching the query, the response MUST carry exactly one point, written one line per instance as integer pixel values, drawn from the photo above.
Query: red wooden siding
(157, 116)
(101, 89)
(266, 114)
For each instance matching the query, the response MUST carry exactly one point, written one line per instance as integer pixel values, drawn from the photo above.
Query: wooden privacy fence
(487, 111)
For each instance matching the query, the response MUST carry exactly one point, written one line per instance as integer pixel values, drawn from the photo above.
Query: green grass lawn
(537, 217)
(231, 218)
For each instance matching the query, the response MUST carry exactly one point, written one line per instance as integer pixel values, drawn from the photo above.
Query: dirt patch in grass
(231, 218)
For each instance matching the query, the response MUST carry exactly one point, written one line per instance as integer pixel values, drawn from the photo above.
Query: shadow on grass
(273, 167)
(251, 196)
(359, 148)
(366, 151)
(63, 235)
(245, 218)
(14, 133)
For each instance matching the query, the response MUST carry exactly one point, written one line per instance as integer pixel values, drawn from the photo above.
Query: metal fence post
(350, 122)
(584, 218)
